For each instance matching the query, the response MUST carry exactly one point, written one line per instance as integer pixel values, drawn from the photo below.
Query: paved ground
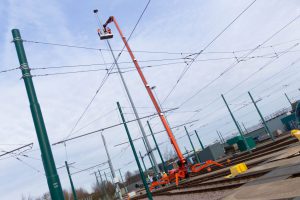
(281, 183)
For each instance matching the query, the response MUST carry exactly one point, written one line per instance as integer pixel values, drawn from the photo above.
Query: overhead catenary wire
(149, 51)
(202, 50)
(229, 68)
(108, 127)
(130, 69)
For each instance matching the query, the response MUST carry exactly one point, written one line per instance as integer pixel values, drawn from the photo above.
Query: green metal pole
(199, 140)
(158, 150)
(195, 153)
(288, 99)
(152, 165)
(40, 128)
(221, 141)
(123, 181)
(236, 124)
(221, 137)
(71, 182)
(262, 118)
(245, 127)
(149, 195)
(142, 158)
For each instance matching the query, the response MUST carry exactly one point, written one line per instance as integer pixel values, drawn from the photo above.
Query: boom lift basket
(105, 34)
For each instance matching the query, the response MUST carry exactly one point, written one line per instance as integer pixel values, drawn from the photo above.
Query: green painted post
(236, 124)
(71, 181)
(245, 128)
(152, 165)
(123, 180)
(149, 195)
(221, 141)
(158, 150)
(288, 99)
(262, 118)
(142, 158)
(221, 136)
(199, 140)
(53, 181)
(105, 177)
(195, 153)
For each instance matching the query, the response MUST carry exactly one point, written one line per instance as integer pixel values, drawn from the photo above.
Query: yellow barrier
(296, 133)
(237, 169)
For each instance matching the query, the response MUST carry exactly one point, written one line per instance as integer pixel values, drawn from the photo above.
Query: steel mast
(148, 88)
(148, 146)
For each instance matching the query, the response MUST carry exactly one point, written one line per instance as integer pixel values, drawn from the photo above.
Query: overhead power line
(195, 57)
(231, 67)
(148, 51)
(157, 132)
(108, 127)
(18, 149)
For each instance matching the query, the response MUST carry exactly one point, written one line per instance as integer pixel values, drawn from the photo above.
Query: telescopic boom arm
(148, 88)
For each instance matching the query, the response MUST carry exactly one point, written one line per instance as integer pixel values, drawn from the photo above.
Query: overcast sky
(178, 27)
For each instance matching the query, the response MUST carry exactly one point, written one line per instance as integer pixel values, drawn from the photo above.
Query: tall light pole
(118, 190)
(148, 146)
(53, 181)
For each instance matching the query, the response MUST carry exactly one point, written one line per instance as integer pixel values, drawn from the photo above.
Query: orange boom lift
(181, 172)
(106, 34)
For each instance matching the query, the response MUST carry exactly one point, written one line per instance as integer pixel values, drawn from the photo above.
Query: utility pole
(105, 177)
(245, 127)
(97, 179)
(195, 153)
(118, 190)
(262, 118)
(222, 137)
(236, 124)
(53, 181)
(221, 141)
(187, 152)
(100, 176)
(158, 150)
(123, 180)
(199, 140)
(142, 158)
(71, 181)
(288, 99)
(149, 195)
(102, 188)
(147, 154)
(148, 146)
